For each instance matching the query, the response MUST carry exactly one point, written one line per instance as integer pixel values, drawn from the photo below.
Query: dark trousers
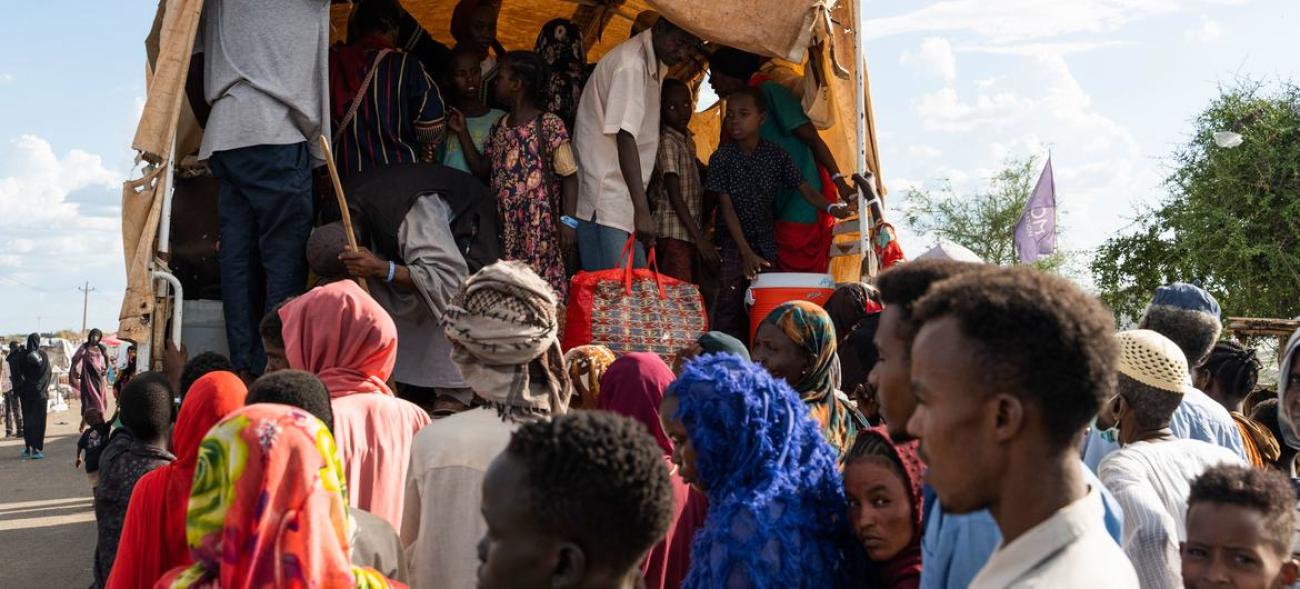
(265, 207)
(34, 423)
(675, 258)
(13, 414)
(728, 313)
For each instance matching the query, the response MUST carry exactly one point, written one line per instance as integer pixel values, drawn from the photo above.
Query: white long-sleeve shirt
(1151, 481)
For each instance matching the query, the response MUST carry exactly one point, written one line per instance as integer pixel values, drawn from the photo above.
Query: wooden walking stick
(343, 203)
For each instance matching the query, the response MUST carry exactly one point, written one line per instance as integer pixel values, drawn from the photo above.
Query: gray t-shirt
(265, 73)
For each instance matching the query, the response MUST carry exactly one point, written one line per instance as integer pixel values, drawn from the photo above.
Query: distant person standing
(89, 375)
(13, 409)
(33, 372)
(617, 137)
(265, 76)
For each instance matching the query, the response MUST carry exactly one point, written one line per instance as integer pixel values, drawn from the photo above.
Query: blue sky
(959, 86)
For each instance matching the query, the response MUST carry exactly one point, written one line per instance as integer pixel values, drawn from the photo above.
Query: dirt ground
(47, 517)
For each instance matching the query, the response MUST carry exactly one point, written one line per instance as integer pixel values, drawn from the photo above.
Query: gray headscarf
(502, 327)
(1288, 421)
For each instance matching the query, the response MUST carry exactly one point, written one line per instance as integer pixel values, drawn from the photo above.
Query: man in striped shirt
(400, 116)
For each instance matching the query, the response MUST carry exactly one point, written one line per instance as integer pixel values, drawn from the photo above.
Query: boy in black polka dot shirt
(747, 173)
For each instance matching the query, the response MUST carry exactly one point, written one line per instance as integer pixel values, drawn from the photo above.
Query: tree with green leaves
(1232, 217)
(984, 222)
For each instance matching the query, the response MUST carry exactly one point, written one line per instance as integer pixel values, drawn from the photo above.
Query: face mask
(1111, 435)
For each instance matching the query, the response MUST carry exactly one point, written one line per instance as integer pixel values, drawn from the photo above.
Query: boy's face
(677, 106)
(1229, 546)
(466, 76)
(957, 425)
(743, 117)
(483, 27)
(892, 374)
(515, 552)
(723, 85)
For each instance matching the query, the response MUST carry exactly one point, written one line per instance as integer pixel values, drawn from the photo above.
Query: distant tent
(948, 250)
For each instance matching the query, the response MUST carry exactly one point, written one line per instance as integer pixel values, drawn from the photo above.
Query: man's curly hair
(903, 285)
(1265, 491)
(1036, 335)
(598, 479)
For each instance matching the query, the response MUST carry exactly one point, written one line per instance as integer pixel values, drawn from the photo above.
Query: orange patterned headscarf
(269, 507)
(586, 365)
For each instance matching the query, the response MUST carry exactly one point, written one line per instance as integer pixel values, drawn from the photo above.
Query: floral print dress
(528, 193)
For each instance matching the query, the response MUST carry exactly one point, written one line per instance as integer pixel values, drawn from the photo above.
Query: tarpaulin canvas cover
(775, 28)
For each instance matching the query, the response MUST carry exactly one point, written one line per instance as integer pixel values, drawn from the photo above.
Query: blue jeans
(599, 246)
(265, 207)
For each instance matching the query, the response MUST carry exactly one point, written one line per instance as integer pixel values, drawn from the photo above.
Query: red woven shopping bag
(634, 310)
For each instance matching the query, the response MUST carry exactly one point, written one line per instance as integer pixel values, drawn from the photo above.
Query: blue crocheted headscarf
(776, 506)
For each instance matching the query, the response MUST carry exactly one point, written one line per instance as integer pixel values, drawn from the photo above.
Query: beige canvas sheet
(776, 28)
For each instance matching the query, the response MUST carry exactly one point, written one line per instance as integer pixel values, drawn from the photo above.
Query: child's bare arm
(753, 262)
(838, 210)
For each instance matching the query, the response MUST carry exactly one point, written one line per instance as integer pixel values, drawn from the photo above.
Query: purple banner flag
(1036, 231)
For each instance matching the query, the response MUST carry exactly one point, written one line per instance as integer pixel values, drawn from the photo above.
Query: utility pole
(85, 304)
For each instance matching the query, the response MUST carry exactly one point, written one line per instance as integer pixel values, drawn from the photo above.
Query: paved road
(47, 520)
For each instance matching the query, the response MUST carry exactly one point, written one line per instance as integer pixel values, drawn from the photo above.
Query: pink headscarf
(343, 336)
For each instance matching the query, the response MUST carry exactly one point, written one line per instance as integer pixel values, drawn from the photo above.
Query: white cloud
(35, 193)
(1005, 21)
(43, 230)
(1208, 31)
(1100, 166)
(6, 77)
(923, 151)
(1045, 49)
(935, 56)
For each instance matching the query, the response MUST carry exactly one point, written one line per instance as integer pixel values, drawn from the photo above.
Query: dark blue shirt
(752, 181)
(92, 443)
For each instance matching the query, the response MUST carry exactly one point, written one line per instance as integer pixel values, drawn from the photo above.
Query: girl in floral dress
(532, 168)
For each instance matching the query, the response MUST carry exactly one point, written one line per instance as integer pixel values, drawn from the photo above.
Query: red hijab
(634, 386)
(903, 571)
(153, 534)
(348, 67)
(343, 336)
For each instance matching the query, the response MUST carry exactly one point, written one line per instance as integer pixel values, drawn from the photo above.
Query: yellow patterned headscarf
(586, 364)
(269, 506)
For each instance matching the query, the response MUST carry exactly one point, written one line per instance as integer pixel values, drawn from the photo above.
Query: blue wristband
(392, 271)
(569, 221)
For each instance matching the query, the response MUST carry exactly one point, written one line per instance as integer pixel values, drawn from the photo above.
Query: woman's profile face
(683, 451)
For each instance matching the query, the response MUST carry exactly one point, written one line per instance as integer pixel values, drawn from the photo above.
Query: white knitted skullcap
(1153, 360)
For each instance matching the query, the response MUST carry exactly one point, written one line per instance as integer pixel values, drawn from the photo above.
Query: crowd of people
(961, 461)
(454, 157)
(412, 420)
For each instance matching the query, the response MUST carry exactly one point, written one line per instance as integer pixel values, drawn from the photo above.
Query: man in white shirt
(1009, 366)
(1190, 317)
(1151, 473)
(616, 137)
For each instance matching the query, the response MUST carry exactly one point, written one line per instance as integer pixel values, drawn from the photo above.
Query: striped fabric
(401, 116)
